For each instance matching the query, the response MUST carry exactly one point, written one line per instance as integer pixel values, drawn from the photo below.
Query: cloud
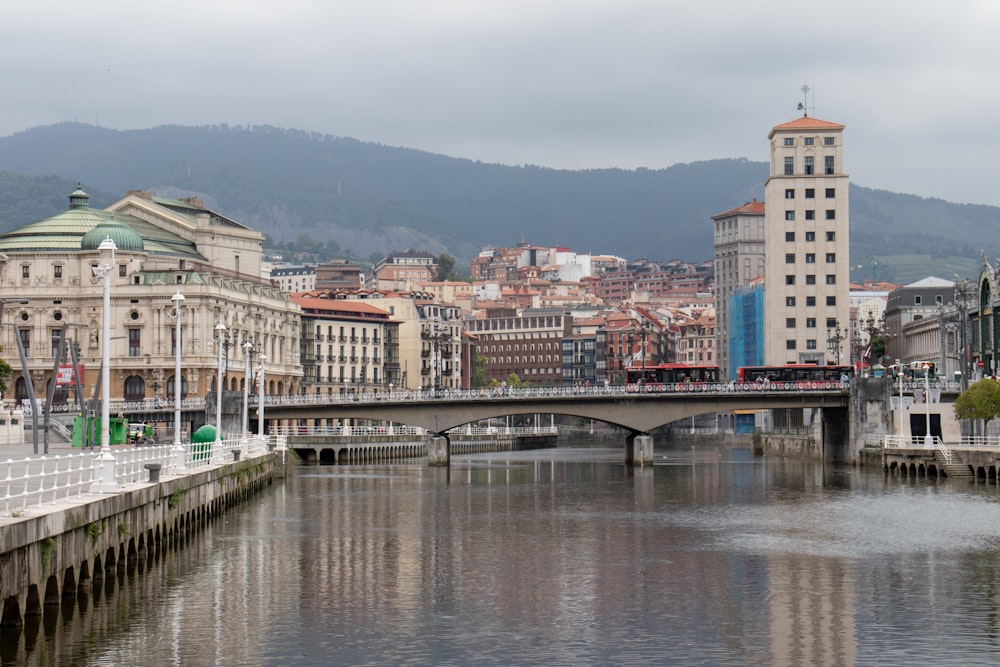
(560, 83)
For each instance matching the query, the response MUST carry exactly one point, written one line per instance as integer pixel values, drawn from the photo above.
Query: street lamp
(220, 331)
(107, 259)
(106, 263)
(247, 350)
(178, 300)
(260, 403)
(928, 438)
(899, 366)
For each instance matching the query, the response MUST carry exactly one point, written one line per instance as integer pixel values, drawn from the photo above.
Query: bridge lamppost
(834, 337)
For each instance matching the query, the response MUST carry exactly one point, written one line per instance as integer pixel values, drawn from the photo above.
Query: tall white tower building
(806, 305)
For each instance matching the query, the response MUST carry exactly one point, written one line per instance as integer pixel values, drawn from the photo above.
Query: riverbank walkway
(35, 484)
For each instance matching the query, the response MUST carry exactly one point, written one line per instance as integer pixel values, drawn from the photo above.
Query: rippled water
(563, 557)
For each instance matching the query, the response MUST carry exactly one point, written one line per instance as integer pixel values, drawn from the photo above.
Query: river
(561, 557)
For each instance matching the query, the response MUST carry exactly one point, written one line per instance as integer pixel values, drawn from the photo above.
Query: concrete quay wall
(47, 558)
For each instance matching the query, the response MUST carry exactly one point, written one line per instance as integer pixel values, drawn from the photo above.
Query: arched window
(170, 387)
(135, 388)
(21, 389)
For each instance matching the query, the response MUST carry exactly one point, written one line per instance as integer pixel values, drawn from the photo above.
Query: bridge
(637, 411)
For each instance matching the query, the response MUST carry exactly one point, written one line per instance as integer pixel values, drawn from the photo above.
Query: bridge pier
(438, 450)
(639, 449)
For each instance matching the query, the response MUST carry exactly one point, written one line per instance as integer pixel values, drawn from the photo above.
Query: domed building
(50, 287)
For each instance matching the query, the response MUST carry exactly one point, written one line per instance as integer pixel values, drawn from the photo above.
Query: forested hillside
(349, 198)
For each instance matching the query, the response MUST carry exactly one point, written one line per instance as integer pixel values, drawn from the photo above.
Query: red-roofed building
(345, 345)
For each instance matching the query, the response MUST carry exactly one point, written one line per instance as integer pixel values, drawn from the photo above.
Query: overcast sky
(570, 84)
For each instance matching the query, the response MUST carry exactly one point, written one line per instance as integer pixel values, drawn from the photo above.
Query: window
(789, 322)
(917, 300)
(790, 237)
(810, 301)
(25, 271)
(57, 271)
(809, 141)
(810, 323)
(810, 258)
(810, 193)
(134, 340)
(135, 388)
(789, 141)
(790, 301)
(790, 193)
(831, 193)
(831, 236)
(56, 338)
(831, 258)
(810, 165)
(831, 301)
(810, 280)
(26, 340)
(122, 270)
(789, 258)
(810, 215)
(789, 215)
(831, 279)
(790, 344)
(828, 165)
(828, 141)
(831, 323)
(938, 299)
(789, 279)
(810, 236)
(789, 166)
(831, 214)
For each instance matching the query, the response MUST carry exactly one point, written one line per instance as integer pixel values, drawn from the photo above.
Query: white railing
(405, 431)
(35, 481)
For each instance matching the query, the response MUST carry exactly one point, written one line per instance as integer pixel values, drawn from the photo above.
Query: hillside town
(529, 314)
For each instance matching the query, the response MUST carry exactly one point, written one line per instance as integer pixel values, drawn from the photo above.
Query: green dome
(205, 433)
(125, 237)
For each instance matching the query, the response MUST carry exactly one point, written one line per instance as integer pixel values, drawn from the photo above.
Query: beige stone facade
(806, 300)
(166, 247)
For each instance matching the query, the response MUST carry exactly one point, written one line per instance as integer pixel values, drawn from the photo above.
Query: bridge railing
(499, 393)
(403, 431)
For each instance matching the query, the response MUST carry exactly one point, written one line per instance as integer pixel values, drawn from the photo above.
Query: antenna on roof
(804, 104)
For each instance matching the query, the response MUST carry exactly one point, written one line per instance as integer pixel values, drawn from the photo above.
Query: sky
(567, 84)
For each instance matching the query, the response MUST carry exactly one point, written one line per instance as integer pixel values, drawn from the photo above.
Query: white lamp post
(220, 331)
(260, 402)
(899, 365)
(178, 300)
(928, 438)
(107, 260)
(247, 349)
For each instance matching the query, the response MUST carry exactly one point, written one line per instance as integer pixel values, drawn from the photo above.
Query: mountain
(343, 197)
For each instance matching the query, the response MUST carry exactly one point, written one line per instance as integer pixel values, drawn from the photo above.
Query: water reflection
(561, 556)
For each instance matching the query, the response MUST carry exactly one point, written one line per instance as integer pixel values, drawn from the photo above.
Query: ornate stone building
(164, 247)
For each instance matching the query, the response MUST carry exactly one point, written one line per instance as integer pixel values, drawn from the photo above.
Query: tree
(980, 401)
(445, 266)
(5, 372)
